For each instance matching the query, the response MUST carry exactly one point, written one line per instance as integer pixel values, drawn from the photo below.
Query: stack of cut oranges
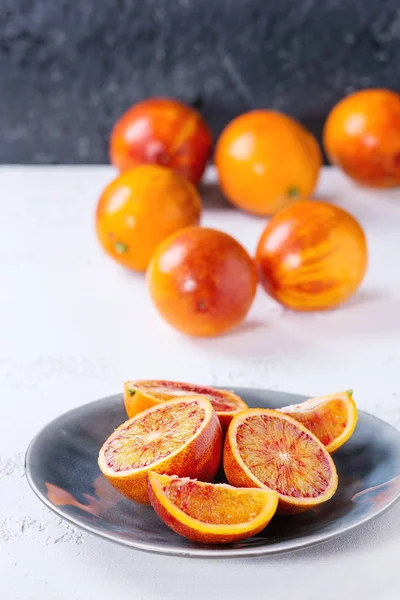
(171, 449)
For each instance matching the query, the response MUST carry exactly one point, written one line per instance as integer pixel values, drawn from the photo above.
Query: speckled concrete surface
(74, 326)
(68, 69)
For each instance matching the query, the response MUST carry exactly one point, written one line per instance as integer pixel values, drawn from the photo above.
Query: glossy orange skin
(362, 137)
(312, 256)
(162, 131)
(265, 160)
(202, 281)
(142, 207)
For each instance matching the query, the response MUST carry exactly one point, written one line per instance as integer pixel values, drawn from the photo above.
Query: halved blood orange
(210, 513)
(181, 437)
(141, 394)
(268, 449)
(331, 418)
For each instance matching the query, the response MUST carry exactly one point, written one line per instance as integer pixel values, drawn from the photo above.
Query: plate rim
(200, 552)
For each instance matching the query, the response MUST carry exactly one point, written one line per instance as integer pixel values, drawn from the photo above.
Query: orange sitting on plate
(202, 281)
(165, 132)
(139, 209)
(312, 256)
(140, 395)
(210, 513)
(331, 418)
(362, 137)
(265, 160)
(181, 437)
(268, 449)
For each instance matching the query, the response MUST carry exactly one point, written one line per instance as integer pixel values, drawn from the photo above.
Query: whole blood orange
(142, 207)
(312, 256)
(362, 137)
(331, 418)
(140, 395)
(268, 449)
(265, 160)
(181, 437)
(210, 513)
(162, 131)
(202, 281)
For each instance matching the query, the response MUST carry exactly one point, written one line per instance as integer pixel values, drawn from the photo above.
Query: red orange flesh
(331, 418)
(141, 394)
(271, 450)
(210, 513)
(181, 437)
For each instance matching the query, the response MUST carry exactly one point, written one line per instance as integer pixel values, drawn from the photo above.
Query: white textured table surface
(74, 326)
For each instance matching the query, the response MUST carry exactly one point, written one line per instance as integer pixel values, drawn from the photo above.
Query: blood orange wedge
(139, 395)
(181, 437)
(331, 418)
(268, 449)
(210, 513)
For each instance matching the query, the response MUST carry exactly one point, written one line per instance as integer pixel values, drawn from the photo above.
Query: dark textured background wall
(69, 67)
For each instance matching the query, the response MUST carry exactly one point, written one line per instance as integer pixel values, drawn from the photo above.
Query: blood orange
(312, 256)
(210, 513)
(181, 437)
(202, 281)
(265, 160)
(140, 209)
(140, 395)
(362, 137)
(331, 418)
(268, 449)
(162, 131)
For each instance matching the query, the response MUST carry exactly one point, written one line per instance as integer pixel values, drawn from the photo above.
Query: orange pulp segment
(331, 418)
(210, 513)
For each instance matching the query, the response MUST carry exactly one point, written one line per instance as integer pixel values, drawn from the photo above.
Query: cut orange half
(331, 418)
(139, 395)
(210, 513)
(181, 437)
(268, 449)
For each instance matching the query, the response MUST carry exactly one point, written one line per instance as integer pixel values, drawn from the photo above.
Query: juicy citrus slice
(139, 395)
(331, 418)
(210, 513)
(268, 449)
(181, 437)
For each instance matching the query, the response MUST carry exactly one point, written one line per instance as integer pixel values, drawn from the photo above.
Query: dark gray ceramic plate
(61, 466)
